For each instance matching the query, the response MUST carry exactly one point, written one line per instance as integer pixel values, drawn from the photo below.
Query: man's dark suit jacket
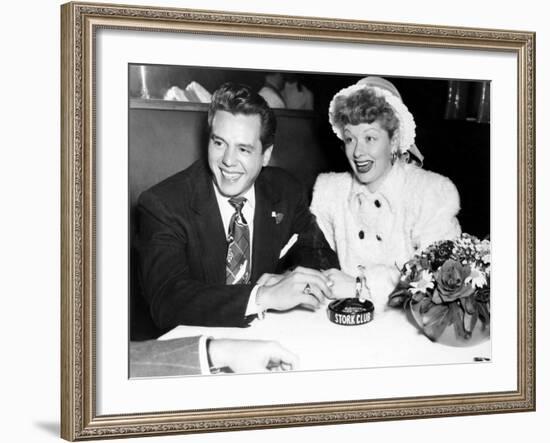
(181, 246)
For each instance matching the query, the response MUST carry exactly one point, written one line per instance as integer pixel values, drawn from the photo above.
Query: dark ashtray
(350, 311)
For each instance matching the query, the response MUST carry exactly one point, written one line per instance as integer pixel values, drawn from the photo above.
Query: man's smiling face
(235, 154)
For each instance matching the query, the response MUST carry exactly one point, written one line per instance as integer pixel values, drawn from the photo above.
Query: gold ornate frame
(79, 420)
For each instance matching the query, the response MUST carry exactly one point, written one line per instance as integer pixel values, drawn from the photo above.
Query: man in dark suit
(211, 238)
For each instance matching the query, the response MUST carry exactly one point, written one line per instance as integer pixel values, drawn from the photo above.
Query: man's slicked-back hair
(236, 99)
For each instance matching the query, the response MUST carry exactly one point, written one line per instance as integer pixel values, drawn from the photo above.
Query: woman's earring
(394, 157)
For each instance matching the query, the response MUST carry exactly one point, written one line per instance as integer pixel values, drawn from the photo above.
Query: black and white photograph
(306, 221)
(282, 221)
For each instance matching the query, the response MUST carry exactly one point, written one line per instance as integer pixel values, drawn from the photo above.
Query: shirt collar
(250, 196)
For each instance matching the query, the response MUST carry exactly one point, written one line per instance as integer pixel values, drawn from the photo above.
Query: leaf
(425, 305)
(436, 321)
(470, 321)
(402, 285)
(468, 303)
(483, 312)
(483, 295)
(397, 301)
(437, 297)
(458, 321)
(398, 297)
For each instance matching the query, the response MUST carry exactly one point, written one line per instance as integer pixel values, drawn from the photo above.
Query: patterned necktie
(237, 269)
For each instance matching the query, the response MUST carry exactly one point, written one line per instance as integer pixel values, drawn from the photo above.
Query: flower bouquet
(446, 288)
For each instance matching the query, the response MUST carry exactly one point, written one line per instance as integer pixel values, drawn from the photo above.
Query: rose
(450, 282)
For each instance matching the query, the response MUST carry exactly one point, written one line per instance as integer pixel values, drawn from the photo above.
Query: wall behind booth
(170, 137)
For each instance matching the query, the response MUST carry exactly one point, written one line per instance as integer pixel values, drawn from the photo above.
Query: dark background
(167, 136)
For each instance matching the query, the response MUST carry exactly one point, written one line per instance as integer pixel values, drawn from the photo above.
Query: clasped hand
(303, 287)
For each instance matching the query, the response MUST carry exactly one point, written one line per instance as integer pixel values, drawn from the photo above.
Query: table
(390, 339)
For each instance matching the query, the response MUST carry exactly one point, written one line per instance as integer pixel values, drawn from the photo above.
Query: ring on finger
(307, 289)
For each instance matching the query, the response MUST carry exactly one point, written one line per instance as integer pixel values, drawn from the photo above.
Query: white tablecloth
(388, 340)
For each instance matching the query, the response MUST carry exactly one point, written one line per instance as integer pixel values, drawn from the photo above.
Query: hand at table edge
(242, 356)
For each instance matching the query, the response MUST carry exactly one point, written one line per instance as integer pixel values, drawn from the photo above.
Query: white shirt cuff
(252, 307)
(203, 355)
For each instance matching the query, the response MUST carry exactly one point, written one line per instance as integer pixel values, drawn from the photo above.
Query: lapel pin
(278, 216)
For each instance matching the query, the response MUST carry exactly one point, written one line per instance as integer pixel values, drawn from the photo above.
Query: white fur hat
(383, 88)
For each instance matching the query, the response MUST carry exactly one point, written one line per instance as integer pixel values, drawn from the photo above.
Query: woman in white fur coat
(387, 208)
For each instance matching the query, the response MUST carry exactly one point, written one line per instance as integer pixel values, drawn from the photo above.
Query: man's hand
(251, 355)
(302, 287)
(268, 279)
(343, 285)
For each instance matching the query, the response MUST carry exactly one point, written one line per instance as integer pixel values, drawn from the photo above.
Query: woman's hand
(343, 285)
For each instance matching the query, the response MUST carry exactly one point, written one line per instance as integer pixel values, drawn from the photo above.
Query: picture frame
(80, 178)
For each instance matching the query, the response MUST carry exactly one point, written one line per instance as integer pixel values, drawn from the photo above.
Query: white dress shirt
(226, 212)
